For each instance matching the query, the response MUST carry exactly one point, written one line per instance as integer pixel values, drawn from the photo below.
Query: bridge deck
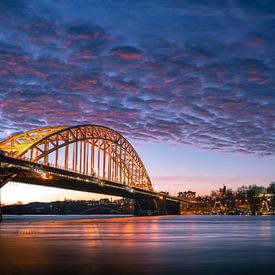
(39, 174)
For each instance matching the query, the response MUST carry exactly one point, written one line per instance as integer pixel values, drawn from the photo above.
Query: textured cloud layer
(200, 74)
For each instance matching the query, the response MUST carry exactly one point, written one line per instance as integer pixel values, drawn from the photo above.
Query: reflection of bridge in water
(87, 158)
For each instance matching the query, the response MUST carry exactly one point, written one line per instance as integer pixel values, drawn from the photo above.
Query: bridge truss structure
(86, 149)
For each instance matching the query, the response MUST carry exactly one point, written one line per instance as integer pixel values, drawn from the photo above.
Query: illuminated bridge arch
(87, 149)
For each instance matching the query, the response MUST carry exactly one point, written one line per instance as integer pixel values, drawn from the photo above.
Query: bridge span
(88, 158)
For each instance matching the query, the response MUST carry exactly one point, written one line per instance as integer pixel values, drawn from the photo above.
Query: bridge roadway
(146, 202)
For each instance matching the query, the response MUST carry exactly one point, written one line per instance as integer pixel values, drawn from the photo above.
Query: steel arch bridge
(87, 149)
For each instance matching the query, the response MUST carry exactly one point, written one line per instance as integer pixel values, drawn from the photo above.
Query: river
(137, 245)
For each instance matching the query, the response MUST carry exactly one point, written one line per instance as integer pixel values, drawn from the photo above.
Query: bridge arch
(86, 149)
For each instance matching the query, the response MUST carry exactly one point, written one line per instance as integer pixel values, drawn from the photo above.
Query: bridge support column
(4, 178)
(162, 206)
(173, 207)
(1, 218)
(159, 206)
(1, 185)
(145, 207)
(150, 207)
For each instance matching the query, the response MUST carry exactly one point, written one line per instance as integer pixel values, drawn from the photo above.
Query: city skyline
(190, 85)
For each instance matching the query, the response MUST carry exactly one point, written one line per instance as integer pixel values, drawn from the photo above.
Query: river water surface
(137, 245)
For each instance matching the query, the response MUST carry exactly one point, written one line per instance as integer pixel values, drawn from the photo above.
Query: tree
(214, 193)
(241, 193)
(272, 204)
(271, 188)
(253, 197)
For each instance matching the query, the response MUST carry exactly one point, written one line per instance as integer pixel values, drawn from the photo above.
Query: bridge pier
(145, 207)
(152, 207)
(1, 185)
(1, 218)
(173, 207)
(4, 178)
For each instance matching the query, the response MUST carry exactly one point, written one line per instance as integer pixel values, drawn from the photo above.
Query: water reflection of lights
(95, 243)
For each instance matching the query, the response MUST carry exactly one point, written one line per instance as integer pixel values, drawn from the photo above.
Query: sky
(189, 83)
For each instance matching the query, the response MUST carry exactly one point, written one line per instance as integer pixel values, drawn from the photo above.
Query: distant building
(188, 195)
(104, 201)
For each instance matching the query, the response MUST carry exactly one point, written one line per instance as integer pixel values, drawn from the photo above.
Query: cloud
(126, 53)
(188, 73)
